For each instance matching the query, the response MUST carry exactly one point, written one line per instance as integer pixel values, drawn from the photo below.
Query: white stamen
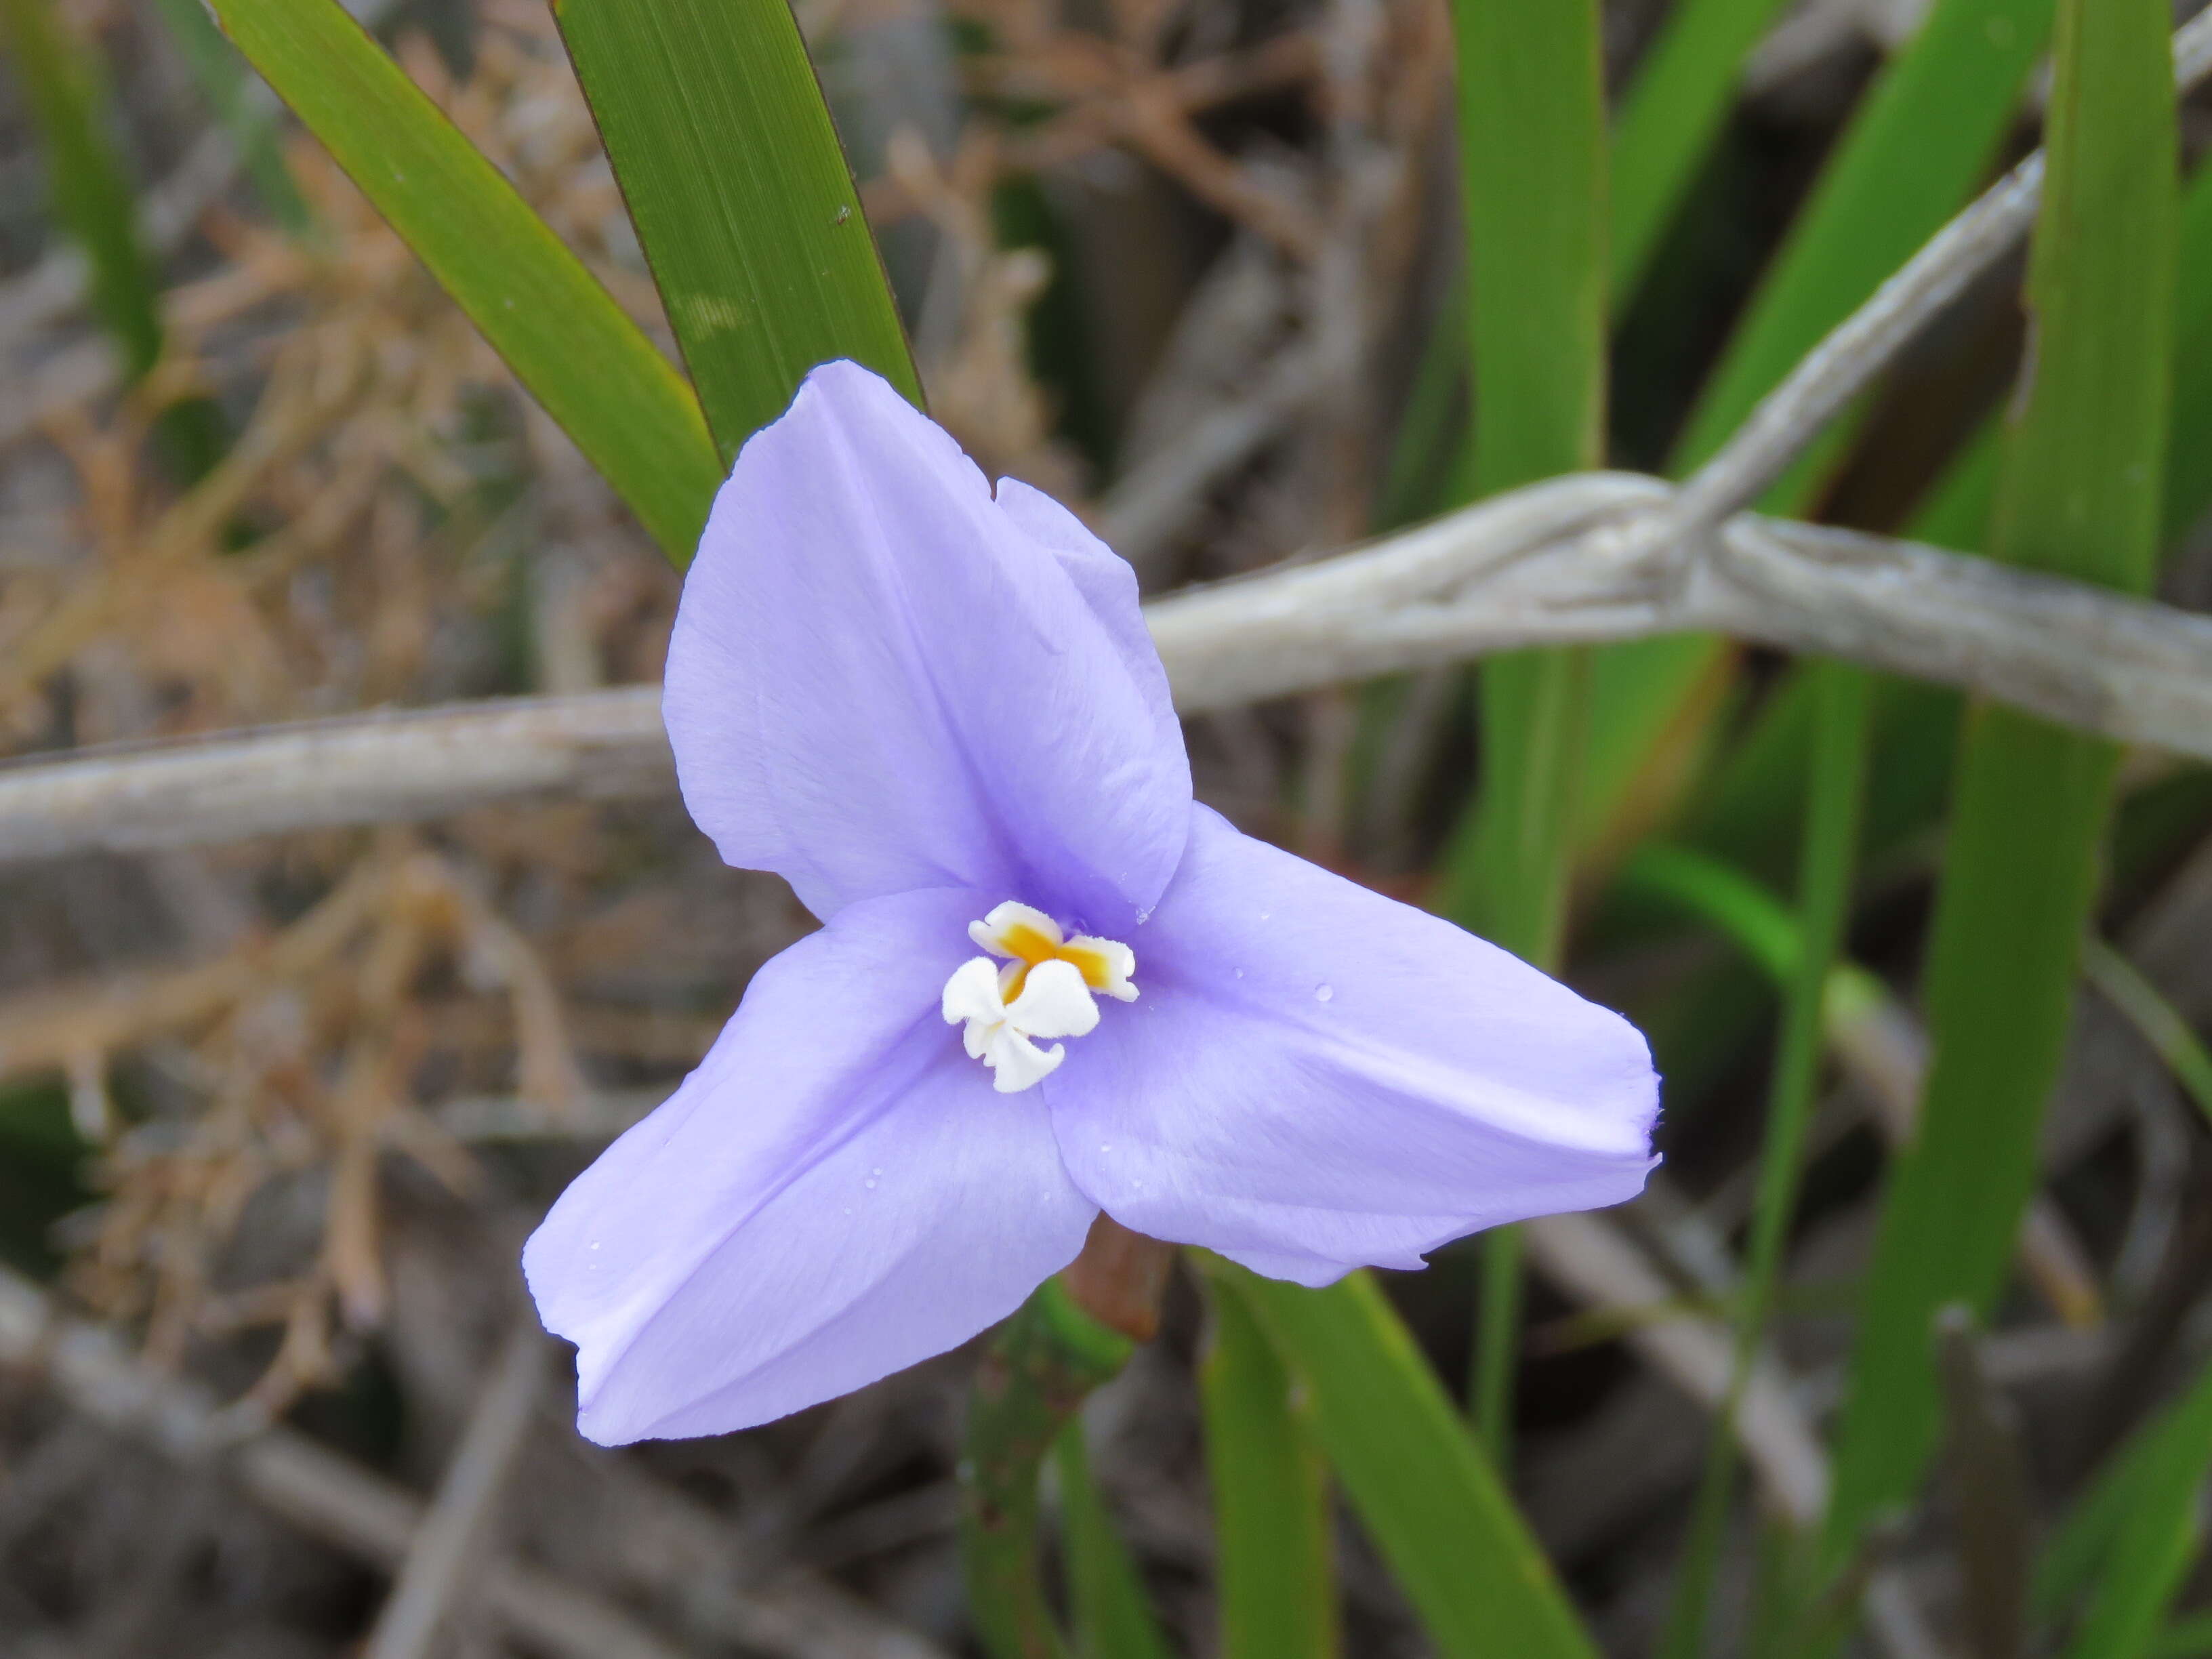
(1056, 976)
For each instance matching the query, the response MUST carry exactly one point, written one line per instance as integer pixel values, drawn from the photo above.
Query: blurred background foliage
(1244, 281)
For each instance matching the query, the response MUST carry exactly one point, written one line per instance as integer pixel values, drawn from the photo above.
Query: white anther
(1053, 1003)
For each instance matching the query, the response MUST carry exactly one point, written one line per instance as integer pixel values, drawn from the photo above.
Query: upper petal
(837, 1193)
(1108, 585)
(1318, 1077)
(880, 680)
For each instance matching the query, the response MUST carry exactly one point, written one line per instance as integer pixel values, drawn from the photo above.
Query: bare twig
(315, 1488)
(1572, 561)
(1867, 341)
(374, 768)
(1561, 562)
(447, 1546)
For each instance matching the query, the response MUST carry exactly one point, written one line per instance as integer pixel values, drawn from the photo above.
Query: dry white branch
(370, 768)
(1575, 560)
(1867, 342)
(1569, 560)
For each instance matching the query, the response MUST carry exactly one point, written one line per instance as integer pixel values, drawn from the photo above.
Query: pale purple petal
(835, 1193)
(879, 680)
(1316, 1077)
(1109, 586)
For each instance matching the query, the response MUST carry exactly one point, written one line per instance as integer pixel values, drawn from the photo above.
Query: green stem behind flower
(1042, 1366)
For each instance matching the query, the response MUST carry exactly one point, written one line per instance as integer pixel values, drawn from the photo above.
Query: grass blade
(625, 404)
(66, 87)
(2189, 446)
(2080, 493)
(2155, 1019)
(89, 189)
(2130, 1540)
(742, 199)
(1914, 150)
(1532, 129)
(1835, 801)
(1275, 1569)
(1430, 1500)
(1105, 1594)
(2185, 1638)
(2177, 1439)
(1668, 121)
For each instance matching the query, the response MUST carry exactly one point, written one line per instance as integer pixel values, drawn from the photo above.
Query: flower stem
(1074, 1334)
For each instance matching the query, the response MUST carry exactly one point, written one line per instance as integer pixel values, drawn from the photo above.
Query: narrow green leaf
(1915, 148)
(1532, 129)
(567, 342)
(1431, 1501)
(2128, 1540)
(89, 189)
(1673, 111)
(742, 200)
(1835, 799)
(1914, 151)
(1105, 1593)
(1532, 115)
(1274, 1565)
(2185, 1638)
(2155, 1019)
(1956, 513)
(2080, 493)
(2189, 448)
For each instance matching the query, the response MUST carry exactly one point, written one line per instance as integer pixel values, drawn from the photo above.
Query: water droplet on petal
(870, 1183)
(1238, 972)
(1324, 992)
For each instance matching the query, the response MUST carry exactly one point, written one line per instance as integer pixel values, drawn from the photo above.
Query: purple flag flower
(1047, 982)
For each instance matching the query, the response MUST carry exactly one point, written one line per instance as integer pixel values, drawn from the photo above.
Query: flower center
(1043, 988)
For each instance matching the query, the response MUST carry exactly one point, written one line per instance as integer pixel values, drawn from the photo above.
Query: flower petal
(1109, 586)
(1319, 1078)
(880, 680)
(837, 1193)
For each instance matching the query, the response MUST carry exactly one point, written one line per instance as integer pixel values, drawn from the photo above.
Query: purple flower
(936, 712)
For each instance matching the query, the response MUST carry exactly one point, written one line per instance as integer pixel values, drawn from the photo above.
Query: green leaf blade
(1106, 1594)
(1275, 1567)
(1668, 122)
(1912, 154)
(1533, 143)
(742, 199)
(89, 186)
(1429, 1499)
(2079, 494)
(568, 343)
